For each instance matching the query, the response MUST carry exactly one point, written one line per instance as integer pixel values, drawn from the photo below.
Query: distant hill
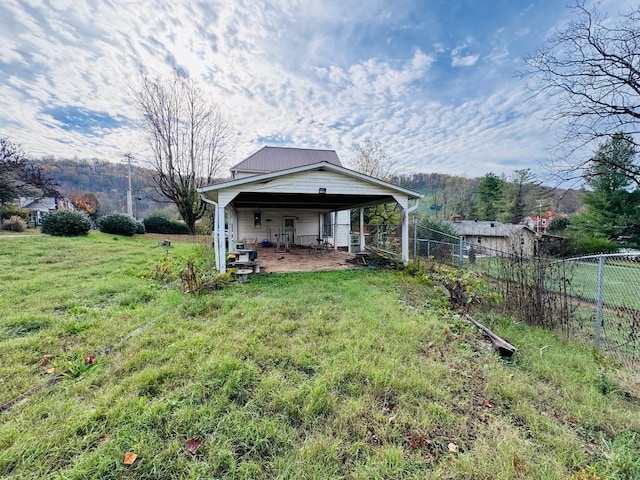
(107, 181)
(448, 195)
(444, 195)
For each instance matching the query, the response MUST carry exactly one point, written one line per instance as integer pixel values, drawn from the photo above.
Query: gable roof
(42, 203)
(247, 195)
(482, 228)
(270, 159)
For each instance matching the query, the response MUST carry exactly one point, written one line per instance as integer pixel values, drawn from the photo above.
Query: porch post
(405, 236)
(221, 252)
(361, 229)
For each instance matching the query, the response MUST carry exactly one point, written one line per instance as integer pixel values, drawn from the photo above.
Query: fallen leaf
(51, 370)
(90, 360)
(44, 361)
(193, 444)
(130, 457)
(130, 354)
(511, 376)
(392, 418)
(453, 448)
(487, 403)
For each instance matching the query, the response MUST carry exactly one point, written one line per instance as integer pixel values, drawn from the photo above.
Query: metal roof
(485, 228)
(272, 159)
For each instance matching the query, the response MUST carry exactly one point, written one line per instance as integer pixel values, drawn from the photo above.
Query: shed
(496, 238)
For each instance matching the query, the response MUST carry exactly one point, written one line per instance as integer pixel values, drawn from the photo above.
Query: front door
(289, 227)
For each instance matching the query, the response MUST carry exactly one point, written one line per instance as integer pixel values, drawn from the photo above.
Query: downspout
(405, 232)
(220, 260)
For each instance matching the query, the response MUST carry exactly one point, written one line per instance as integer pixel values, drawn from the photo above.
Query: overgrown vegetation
(14, 224)
(347, 374)
(62, 223)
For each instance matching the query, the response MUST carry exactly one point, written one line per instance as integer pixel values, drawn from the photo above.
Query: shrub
(159, 224)
(8, 211)
(203, 229)
(140, 230)
(590, 244)
(14, 224)
(118, 224)
(62, 223)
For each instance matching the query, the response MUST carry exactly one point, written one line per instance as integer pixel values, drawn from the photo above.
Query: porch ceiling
(326, 202)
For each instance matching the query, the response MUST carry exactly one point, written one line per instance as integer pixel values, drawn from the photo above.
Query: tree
(371, 159)
(593, 64)
(521, 195)
(490, 191)
(18, 178)
(189, 137)
(613, 205)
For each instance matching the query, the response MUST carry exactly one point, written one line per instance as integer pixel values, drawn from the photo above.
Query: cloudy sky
(432, 80)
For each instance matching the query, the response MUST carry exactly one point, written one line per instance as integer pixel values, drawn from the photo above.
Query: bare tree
(594, 66)
(19, 178)
(371, 159)
(189, 136)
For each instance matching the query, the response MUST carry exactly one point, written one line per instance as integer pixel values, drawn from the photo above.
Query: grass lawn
(354, 374)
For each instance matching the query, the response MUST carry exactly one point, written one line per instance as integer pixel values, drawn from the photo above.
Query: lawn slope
(346, 374)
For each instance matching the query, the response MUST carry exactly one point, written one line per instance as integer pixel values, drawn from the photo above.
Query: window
(479, 239)
(521, 239)
(327, 225)
(257, 220)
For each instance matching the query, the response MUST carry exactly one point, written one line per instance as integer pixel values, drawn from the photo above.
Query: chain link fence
(595, 299)
(605, 293)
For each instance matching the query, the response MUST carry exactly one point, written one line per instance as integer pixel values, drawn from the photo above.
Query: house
(293, 196)
(39, 207)
(540, 224)
(495, 238)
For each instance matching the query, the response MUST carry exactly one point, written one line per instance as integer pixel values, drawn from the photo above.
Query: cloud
(464, 61)
(288, 72)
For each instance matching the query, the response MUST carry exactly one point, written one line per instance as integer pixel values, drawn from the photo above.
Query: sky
(434, 81)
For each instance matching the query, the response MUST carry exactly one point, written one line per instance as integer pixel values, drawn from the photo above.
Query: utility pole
(128, 156)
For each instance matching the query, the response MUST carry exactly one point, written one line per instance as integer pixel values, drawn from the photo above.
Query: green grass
(345, 374)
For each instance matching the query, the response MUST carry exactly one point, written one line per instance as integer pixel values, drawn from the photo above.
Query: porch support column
(405, 236)
(362, 229)
(218, 240)
(406, 210)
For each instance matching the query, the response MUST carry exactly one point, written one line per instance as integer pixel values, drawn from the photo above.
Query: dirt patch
(299, 259)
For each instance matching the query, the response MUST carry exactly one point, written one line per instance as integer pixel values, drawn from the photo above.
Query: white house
(39, 207)
(297, 195)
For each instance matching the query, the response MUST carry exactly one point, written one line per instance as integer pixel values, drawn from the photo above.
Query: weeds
(346, 374)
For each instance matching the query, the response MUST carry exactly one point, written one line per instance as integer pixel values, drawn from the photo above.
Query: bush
(589, 244)
(140, 230)
(8, 211)
(14, 224)
(118, 224)
(158, 224)
(203, 229)
(62, 223)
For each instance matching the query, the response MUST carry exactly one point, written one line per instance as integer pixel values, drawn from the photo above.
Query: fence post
(460, 257)
(415, 241)
(599, 300)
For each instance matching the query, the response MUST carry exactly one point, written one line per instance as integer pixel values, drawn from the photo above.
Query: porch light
(322, 191)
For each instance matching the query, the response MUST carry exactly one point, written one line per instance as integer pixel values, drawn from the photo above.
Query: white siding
(307, 224)
(308, 183)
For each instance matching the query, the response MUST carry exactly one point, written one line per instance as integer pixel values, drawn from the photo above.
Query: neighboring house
(39, 207)
(297, 194)
(495, 238)
(540, 224)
